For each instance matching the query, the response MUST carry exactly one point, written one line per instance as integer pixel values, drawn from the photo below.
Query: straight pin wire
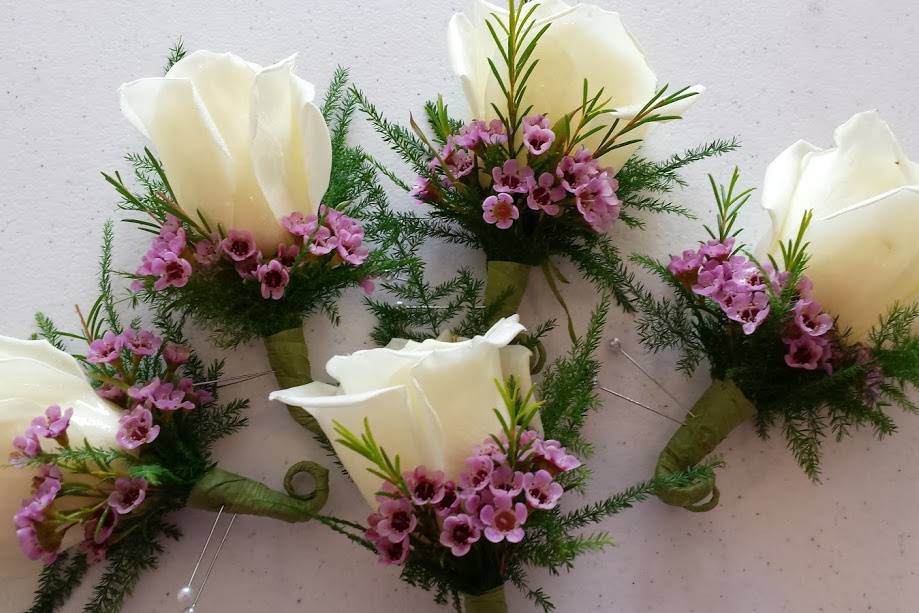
(616, 345)
(641, 404)
(228, 381)
(188, 594)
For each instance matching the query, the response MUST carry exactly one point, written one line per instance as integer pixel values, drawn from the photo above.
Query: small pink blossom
(136, 428)
(810, 318)
(25, 445)
(98, 532)
(544, 194)
(398, 520)
(323, 241)
(367, 285)
(506, 481)
(537, 136)
(805, 352)
(94, 552)
(32, 547)
(128, 495)
(554, 457)
(477, 474)
(456, 160)
(685, 267)
(425, 486)
(576, 171)
(541, 491)
(717, 250)
(423, 190)
(274, 279)
(141, 342)
(450, 500)
(478, 132)
(105, 350)
(349, 238)
(111, 392)
(248, 268)
(206, 252)
(750, 310)
(239, 245)
(300, 225)
(392, 553)
(54, 423)
(504, 520)
(500, 211)
(511, 177)
(163, 396)
(172, 271)
(287, 254)
(176, 355)
(459, 533)
(597, 202)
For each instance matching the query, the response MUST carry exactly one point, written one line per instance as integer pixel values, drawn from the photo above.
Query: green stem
(505, 285)
(288, 357)
(492, 601)
(236, 494)
(713, 417)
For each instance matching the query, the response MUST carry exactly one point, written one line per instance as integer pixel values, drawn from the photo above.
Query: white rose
(33, 376)
(863, 238)
(583, 42)
(429, 403)
(241, 144)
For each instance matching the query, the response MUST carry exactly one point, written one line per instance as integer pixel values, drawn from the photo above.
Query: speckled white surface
(776, 71)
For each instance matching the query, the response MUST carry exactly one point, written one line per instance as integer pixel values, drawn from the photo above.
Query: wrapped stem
(237, 494)
(290, 361)
(714, 416)
(505, 285)
(492, 601)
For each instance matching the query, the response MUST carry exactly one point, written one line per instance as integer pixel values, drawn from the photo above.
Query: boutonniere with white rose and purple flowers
(104, 443)
(815, 334)
(253, 197)
(561, 98)
(463, 468)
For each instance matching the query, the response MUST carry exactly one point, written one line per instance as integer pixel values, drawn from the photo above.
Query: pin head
(615, 345)
(186, 595)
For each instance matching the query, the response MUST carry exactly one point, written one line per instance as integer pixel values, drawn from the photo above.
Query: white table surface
(775, 72)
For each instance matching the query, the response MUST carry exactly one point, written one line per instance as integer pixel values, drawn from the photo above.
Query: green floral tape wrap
(290, 361)
(237, 494)
(491, 601)
(505, 285)
(718, 411)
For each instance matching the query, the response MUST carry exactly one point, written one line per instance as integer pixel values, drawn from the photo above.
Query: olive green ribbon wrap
(492, 601)
(237, 494)
(288, 357)
(713, 417)
(505, 285)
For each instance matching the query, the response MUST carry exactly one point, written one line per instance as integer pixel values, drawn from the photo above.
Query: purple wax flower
(476, 132)
(685, 267)
(511, 177)
(537, 136)
(94, 552)
(299, 225)
(425, 486)
(504, 520)
(423, 190)
(810, 318)
(105, 350)
(45, 472)
(456, 160)
(500, 211)
(163, 396)
(398, 520)
(111, 392)
(323, 241)
(472, 501)
(98, 532)
(712, 278)
(128, 495)
(29, 513)
(54, 423)
(392, 554)
(576, 171)
(717, 250)
(46, 492)
(239, 245)
(25, 445)
(248, 268)
(459, 533)
(207, 252)
(450, 500)
(176, 355)
(141, 342)
(287, 254)
(805, 352)
(805, 287)
(504, 480)
(349, 238)
(541, 491)
(172, 271)
(137, 428)
(597, 202)
(478, 473)
(31, 547)
(555, 457)
(274, 278)
(750, 310)
(367, 285)
(746, 277)
(544, 194)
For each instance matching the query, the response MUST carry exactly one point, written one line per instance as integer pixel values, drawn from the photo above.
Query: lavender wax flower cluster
(492, 499)
(550, 181)
(742, 288)
(330, 237)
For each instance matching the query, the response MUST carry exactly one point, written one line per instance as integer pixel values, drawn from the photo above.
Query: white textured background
(776, 71)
